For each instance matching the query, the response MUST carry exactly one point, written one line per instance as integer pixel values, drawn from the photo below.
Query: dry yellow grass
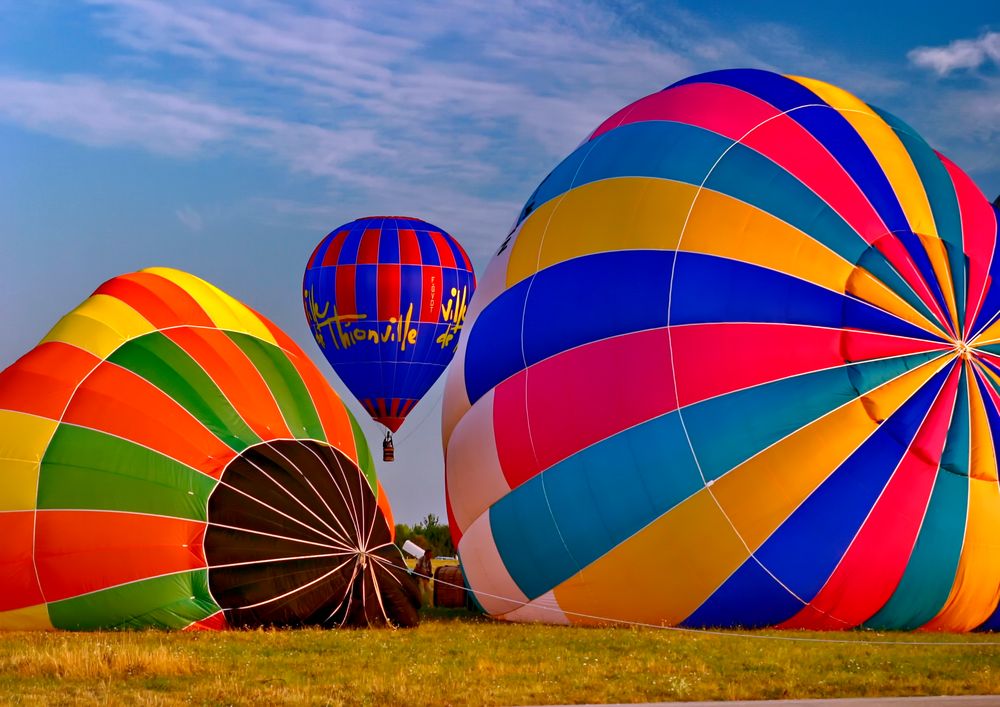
(71, 658)
(456, 659)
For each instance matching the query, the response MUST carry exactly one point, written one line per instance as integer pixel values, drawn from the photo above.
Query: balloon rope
(297, 500)
(270, 560)
(300, 541)
(408, 432)
(272, 508)
(354, 507)
(311, 486)
(336, 485)
(378, 594)
(387, 565)
(341, 478)
(300, 587)
(348, 596)
(705, 631)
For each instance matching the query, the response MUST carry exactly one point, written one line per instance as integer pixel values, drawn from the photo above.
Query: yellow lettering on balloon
(406, 329)
(346, 330)
(453, 313)
(335, 323)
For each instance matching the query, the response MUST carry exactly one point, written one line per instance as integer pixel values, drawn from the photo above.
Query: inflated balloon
(386, 297)
(737, 365)
(169, 458)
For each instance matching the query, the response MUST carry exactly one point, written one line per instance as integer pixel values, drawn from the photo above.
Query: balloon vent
(296, 537)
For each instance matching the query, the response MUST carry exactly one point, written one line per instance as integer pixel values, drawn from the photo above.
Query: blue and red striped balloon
(385, 297)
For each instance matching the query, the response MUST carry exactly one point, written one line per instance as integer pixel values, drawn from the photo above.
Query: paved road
(963, 701)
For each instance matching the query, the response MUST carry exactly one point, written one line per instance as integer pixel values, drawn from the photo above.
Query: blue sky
(226, 138)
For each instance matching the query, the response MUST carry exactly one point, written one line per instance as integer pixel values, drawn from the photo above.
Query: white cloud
(967, 121)
(961, 117)
(458, 106)
(542, 71)
(378, 99)
(959, 54)
(102, 113)
(480, 223)
(190, 218)
(95, 112)
(530, 78)
(540, 59)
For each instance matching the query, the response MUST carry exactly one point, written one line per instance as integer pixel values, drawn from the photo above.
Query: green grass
(456, 658)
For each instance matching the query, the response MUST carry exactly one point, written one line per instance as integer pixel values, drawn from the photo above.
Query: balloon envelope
(738, 364)
(386, 297)
(171, 459)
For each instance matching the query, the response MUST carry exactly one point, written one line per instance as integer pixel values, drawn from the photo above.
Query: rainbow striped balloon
(169, 458)
(738, 364)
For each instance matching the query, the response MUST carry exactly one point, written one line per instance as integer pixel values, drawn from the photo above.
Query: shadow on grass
(439, 614)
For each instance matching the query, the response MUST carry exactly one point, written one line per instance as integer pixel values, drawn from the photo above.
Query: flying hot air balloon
(738, 364)
(170, 458)
(385, 297)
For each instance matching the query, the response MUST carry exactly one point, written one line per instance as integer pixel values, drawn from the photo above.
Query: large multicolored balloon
(738, 364)
(386, 297)
(169, 458)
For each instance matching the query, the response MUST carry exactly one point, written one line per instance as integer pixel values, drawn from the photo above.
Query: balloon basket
(388, 451)
(450, 591)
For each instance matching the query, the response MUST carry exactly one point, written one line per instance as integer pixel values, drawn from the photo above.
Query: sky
(227, 138)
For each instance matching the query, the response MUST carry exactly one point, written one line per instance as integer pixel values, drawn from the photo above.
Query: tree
(430, 534)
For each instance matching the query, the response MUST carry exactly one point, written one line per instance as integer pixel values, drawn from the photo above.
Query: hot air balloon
(171, 459)
(737, 364)
(385, 297)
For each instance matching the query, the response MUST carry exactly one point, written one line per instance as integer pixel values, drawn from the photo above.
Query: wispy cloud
(190, 218)
(967, 121)
(959, 54)
(400, 99)
(446, 123)
(94, 112)
(102, 113)
(480, 222)
(961, 113)
(541, 60)
(538, 73)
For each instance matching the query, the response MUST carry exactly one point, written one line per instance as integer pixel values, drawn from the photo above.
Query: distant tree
(430, 534)
(421, 541)
(403, 533)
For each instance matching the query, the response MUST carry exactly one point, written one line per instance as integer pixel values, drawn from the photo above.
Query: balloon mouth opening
(393, 423)
(295, 537)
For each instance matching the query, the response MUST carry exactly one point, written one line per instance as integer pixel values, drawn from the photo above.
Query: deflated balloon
(171, 459)
(738, 364)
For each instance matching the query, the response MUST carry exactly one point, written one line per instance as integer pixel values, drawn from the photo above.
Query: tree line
(430, 534)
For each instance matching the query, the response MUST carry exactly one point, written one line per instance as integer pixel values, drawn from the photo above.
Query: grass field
(456, 658)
